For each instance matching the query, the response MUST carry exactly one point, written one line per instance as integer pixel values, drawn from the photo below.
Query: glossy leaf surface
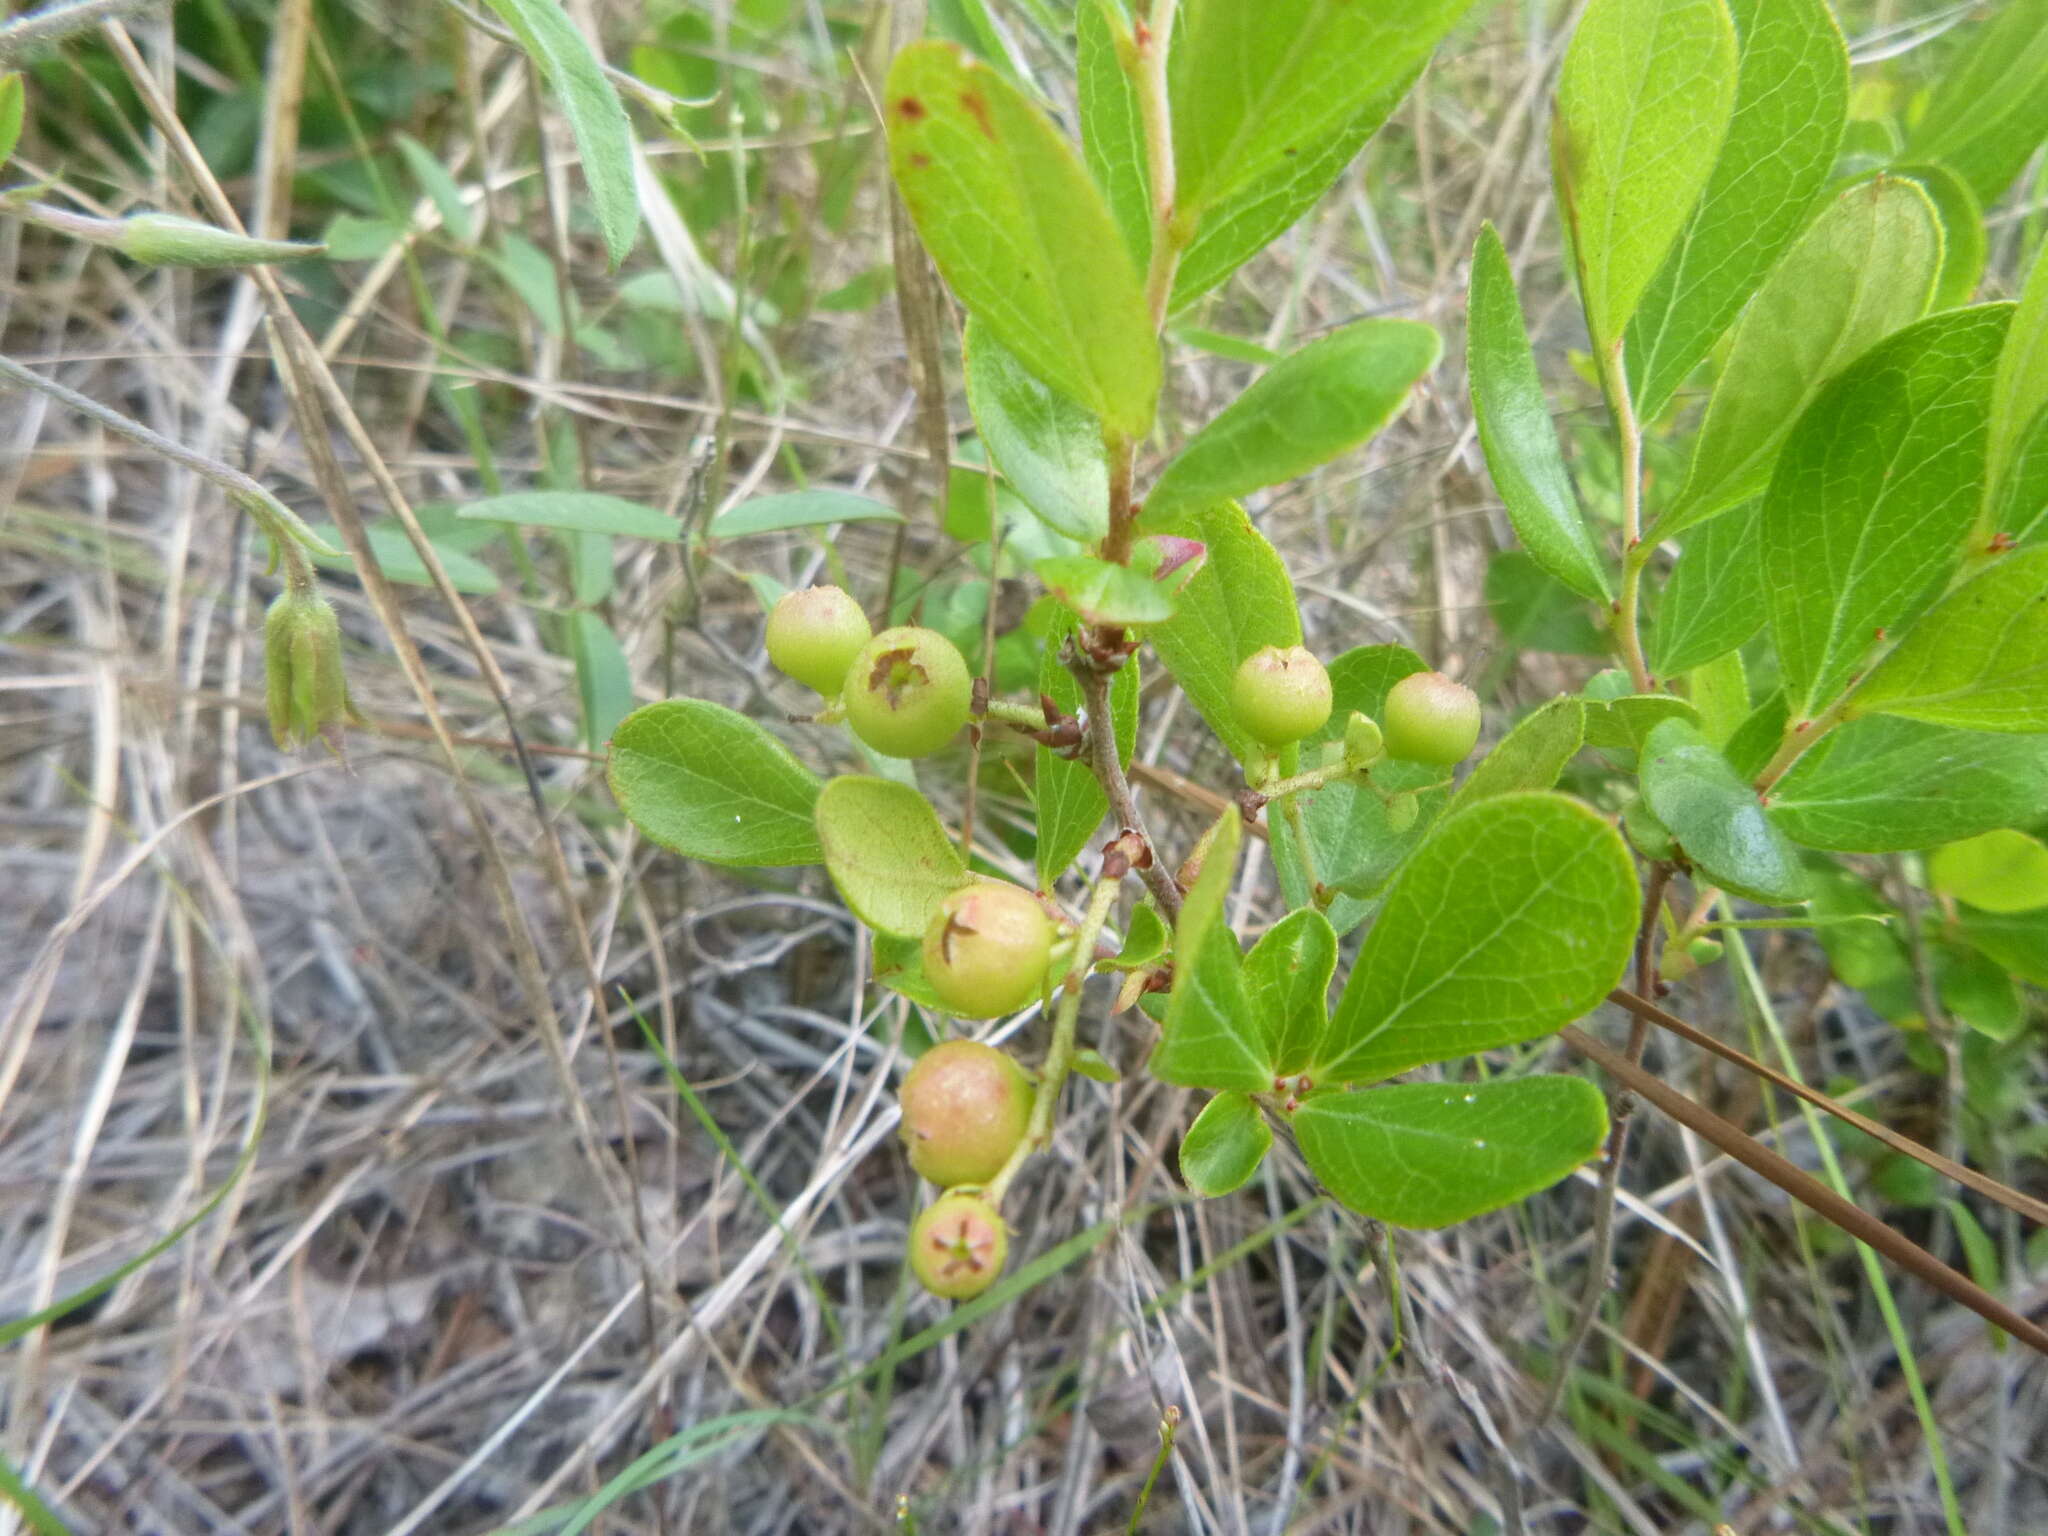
(1873, 496)
(1048, 446)
(1885, 785)
(1515, 917)
(1715, 816)
(1213, 1038)
(1225, 1145)
(1978, 659)
(1515, 430)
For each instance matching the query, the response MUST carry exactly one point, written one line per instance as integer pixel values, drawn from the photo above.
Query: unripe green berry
(907, 692)
(1430, 719)
(1280, 694)
(987, 949)
(965, 1107)
(813, 636)
(958, 1246)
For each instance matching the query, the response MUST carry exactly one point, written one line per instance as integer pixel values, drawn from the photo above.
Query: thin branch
(1109, 773)
(1807, 1190)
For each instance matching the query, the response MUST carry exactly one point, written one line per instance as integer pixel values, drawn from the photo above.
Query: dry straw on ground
(483, 1255)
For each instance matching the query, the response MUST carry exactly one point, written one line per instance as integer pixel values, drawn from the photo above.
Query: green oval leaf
(1106, 593)
(1791, 98)
(1715, 816)
(1312, 405)
(1514, 918)
(1978, 659)
(1046, 445)
(1642, 107)
(1019, 231)
(1515, 430)
(1866, 267)
(1213, 1038)
(1429, 1154)
(1965, 245)
(1713, 601)
(800, 509)
(1287, 980)
(712, 785)
(1253, 86)
(1883, 786)
(1873, 497)
(575, 512)
(1240, 600)
(604, 136)
(887, 853)
(2003, 872)
(1225, 1145)
(1530, 756)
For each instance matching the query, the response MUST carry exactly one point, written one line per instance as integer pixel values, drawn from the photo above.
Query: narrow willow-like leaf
(819, 508)
(604, 136)
(712, 785)
(1047, 446)
(1866, 267)
(1791, 96)
(1213, 1038)
(1240, 600)
(1714, 598)
(604, 677)
(1430, 1154)
(1884, 785)
(1514, 918)
(1873, 497)
(1302, 412)
(1530, 756)
(1522, 451)
(1225, 1145)
(887, 853)
(1255, 86)
(1642, 108)
(574, 512)
(1014, 223)
(1287, 979)
(1715, 816)
(1990, 110)
(1978, 659)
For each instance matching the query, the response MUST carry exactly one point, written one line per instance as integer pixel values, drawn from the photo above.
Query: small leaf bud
(1363, 744)
(166, 240)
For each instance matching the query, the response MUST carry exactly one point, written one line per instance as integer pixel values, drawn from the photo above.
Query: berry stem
(1800, 735)
(1059, 1057)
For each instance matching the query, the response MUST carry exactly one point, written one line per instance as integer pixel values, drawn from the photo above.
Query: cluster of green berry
(904, 692)
(967, 1108)
(1282, 694)
(988, 951)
